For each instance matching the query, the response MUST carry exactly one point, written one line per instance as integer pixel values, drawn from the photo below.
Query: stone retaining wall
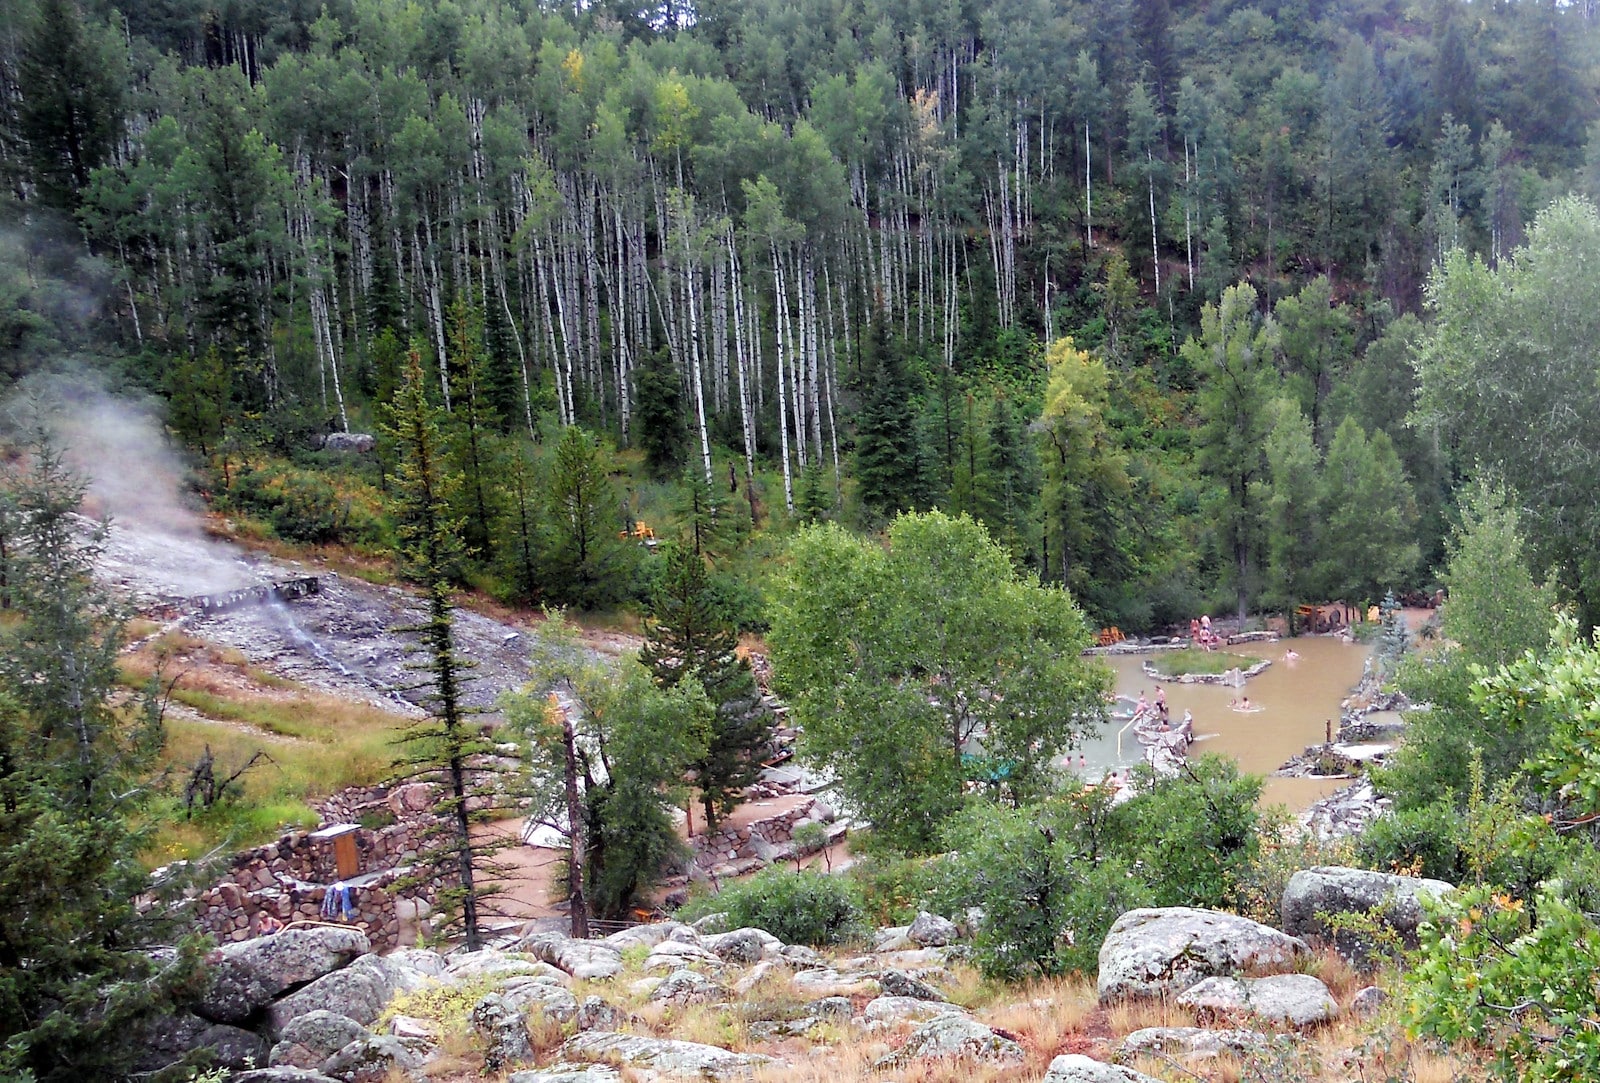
(761, 842)
(290, 878)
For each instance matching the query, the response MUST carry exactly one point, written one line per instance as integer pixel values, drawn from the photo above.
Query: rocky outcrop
(932, 931)
(665, 1055)
(1296, 1000)
(246, 976)
(375, 1059)
(359, 991)
(591, 960)
(898, 1009)
(897, 983)
(1345, 813)
(500, 1024)
(1393, 902)
(954, 1035)
(308, 1042)
(1194, 1043)
(1162, 952)
(568, 1073)
(168, 1040)
(1077, 1068)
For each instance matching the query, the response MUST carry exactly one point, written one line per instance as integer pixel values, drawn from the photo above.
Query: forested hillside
(1136, 283)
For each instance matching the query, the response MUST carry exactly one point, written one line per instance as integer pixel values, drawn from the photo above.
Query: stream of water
(1293, 700)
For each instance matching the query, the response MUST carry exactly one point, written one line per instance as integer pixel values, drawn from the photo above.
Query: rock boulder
(1076, 1068)
(246, 976)
(1297, 1000)
(1393, 901)
(1162, 952)
(308, 1041)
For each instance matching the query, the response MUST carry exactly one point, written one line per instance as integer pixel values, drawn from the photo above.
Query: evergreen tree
(71, 107)
(689, 636)
(585, 562)
(1293, 510)
(442, 744)
(658, 420)
(76, 971)
(891, 466)
(1369, 516)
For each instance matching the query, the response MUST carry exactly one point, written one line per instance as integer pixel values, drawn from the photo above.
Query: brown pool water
(1293, 699)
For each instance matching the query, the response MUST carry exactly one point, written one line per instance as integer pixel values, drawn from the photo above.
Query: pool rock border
(1206, 678)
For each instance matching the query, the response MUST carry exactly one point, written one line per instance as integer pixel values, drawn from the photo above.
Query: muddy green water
(1293, 700)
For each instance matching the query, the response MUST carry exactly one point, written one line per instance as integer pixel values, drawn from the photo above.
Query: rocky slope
(1177, 989)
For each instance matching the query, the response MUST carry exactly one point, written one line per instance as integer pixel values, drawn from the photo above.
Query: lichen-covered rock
(308, 1041)
(554, 1001)
(954, 1035)
(359, 991)
(932, 931)
(1297, 1000)
(282, 1074)
(374, 1059)
(686, 987)
(1162, 952)
(1191, 1042)
(1394, 901)
(490, 963)
(569, 1073)
(897, 1009)
(675, 955)
(828, 982)
(500, 1024)
(167, 1040)
(596, 1013)
(893, 938)
(246, 976)
(664, 1055)
(358, 443)
(647, 936)
(1368, 1001)
(742, 947)
(588, 959)
(897, 983)
(1077, 1068)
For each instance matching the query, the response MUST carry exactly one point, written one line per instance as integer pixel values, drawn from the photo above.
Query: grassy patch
(1173, 664)
(314, 745)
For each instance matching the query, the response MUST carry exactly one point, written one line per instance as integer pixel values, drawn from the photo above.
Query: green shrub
(796, 907)
(305, 506)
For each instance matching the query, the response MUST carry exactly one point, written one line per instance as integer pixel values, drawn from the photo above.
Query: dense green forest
(1143, 286)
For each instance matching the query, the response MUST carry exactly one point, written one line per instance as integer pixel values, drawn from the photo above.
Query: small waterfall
(305, 641)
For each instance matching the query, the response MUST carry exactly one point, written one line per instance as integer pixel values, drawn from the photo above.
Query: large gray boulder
(686, 987)
(1191, 1042)
(283, 1074)
(375, 1059)
(742, 947)
(1393, 901)
(897, 983)
(1077, 1068)
(500, 1023)
(1162, 952)
(932, 931)
(246, 976)
(898, 1009)
(569, 1073)
(167, 1040)
(308, 1042)
(554, 1001)
(589, 959)
(663, 1055)
(1297, 1000)
(359, 991)
(490, 963)
(350, 442)
(954, 1035)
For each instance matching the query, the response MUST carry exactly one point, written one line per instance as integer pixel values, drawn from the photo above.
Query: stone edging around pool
(1206, 678)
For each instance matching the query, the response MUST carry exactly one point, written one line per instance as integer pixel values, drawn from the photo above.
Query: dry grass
(315, 744)
(1127, 1016)
(1047, 1017)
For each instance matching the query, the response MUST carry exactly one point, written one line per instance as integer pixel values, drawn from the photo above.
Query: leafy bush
(1051, 877)
(796, 907)
(305, 506)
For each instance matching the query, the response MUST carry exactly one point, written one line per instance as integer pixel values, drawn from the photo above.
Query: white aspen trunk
(1150, 178)
(1188, 227)
(1088, 185)
(783, 406)
(747, 427)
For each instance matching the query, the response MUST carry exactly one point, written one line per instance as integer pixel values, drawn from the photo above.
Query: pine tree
(658, 414)
(75, 970)
(689, 636)
(71, 102)
(442, 744)
(891, 467)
